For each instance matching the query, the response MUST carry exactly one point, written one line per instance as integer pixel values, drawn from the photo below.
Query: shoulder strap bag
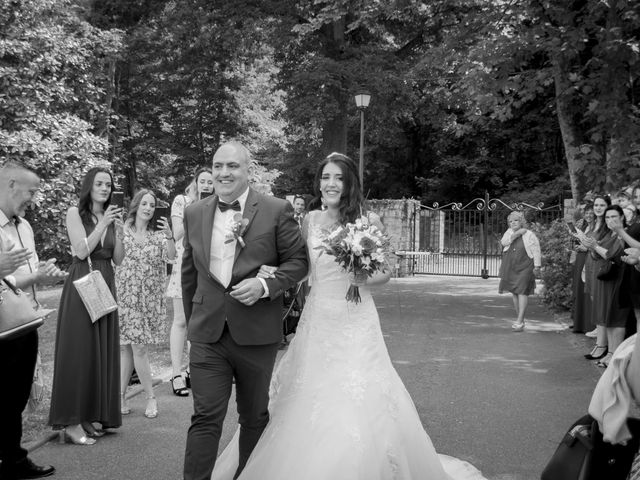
(94, 292)
(17, 315)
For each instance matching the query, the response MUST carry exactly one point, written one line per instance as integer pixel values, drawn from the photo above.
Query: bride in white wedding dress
(338, 409)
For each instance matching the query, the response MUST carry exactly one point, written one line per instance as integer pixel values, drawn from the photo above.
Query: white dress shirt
(16, 235)
(222, 254)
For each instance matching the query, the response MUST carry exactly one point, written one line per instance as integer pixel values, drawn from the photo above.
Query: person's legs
(18, 360)
(523, 301)
(126, 369)
(211, 377)
(516, 304)
(615, 336)
(143, 368)
(253, 367)
(177, 336)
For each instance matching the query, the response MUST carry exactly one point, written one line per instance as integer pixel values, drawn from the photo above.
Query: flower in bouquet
(361, 249)
(235, 228)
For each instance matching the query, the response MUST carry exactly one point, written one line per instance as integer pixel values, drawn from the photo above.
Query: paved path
(499, 399)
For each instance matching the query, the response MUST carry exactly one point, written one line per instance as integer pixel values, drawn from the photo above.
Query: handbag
(584, 455)
(608, 271)
(95, 293)
(17, 315)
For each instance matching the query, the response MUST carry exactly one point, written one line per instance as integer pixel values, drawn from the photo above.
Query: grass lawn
(35, 422)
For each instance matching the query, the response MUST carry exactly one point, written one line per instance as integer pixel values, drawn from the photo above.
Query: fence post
(485, 237)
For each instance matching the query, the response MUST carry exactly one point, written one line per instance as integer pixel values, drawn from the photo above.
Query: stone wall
(399, 216)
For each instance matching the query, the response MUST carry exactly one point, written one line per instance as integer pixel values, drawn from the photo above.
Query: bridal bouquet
(360, 249)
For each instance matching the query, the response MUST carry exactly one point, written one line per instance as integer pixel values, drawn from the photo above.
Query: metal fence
(457, 239)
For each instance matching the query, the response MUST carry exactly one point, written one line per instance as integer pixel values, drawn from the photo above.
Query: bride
(338, 409)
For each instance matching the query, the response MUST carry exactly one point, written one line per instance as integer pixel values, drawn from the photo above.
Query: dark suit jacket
(272, 237)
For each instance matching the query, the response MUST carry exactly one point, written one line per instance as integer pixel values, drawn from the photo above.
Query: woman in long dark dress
(608, 311)
(86, 379)
(521, 261)
(581, 300)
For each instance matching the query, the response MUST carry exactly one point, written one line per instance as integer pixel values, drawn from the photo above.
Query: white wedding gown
(338, 409)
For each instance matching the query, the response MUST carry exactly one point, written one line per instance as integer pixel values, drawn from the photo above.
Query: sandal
(187, 379)
(598, 352)
(517, 327)
(152, 408)
(180, 390)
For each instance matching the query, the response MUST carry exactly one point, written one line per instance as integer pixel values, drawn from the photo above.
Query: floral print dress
(140, 283)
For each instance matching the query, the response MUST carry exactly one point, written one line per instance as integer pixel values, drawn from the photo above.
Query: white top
(531, 245)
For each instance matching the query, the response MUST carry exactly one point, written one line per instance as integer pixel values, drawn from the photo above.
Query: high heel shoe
(187, 379)
(66, 437)
(124, 406)
(181, 390)
(598, 348)
(92, 431)
(152, 408)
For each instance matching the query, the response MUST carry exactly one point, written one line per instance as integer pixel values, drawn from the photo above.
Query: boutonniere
(236, 227)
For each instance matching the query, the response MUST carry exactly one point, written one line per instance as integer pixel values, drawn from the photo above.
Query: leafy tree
(54, 78)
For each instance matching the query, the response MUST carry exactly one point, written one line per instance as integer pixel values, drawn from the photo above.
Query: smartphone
(117, 199)
(160, 212)
(572, 228)
(205, 194)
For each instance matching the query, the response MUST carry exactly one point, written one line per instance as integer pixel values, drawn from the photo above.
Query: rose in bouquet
(361, 249)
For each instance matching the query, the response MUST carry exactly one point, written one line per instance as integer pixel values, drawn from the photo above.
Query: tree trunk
(569, 121)
(334, 130)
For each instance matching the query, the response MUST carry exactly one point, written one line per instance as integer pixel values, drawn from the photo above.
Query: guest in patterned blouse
(140, 284)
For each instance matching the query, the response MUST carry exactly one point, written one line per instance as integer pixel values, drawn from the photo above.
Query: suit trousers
(18, 360)
(213, 367)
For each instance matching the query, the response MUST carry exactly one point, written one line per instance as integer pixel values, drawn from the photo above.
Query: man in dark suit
(234, 319)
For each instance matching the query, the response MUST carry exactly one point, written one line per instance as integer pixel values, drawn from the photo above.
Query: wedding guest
(600, 203)
(299, 209)
(607, 308)
(200, 186)
(86, 374)
(521, 260)
(19, 262)
(140, 283)
(581, 300)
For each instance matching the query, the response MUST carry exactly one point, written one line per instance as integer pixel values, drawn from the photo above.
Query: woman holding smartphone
(87, 361)
(140, 282)
(200, 187)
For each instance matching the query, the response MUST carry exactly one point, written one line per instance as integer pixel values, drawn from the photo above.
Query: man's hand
(10, 261)
(48, 273)
(615, 224)
(248, 291)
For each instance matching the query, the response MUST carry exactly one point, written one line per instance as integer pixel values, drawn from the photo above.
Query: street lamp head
(362, 99)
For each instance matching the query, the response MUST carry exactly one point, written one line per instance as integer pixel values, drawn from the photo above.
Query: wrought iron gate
(464, 240)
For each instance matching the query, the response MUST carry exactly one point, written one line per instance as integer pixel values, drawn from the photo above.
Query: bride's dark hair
(351, 200)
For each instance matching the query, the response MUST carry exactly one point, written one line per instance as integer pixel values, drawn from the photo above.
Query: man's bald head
(18, 186)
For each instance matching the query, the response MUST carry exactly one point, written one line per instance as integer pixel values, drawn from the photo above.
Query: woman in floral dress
(140, 283)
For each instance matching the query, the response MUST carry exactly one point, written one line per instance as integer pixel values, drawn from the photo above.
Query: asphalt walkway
(499, 399)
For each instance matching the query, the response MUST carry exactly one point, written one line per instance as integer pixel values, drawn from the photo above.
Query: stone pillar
(402, 220)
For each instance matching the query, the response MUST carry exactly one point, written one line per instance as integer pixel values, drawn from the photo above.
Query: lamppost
(362, 102)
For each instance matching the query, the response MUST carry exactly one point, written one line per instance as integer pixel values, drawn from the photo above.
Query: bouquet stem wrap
(356, 280)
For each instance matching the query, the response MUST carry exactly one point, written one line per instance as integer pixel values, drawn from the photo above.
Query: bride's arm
(378, 278)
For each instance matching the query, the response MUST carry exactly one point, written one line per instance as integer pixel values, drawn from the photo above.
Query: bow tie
(223, 206)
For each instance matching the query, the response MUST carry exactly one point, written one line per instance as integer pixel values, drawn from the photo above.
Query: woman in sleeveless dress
(87, 355)
(200, 186)
(520, 264)
(338, 409)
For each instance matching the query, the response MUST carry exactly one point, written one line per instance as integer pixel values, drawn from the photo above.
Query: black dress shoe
(24, 470)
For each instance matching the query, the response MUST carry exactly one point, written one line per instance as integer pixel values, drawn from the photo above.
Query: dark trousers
(213, 367)
(18, 360)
